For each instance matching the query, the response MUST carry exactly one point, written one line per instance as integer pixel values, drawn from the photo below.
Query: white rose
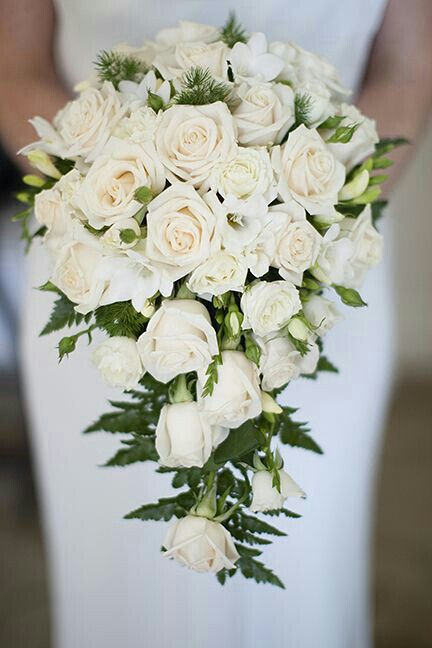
(180, 228)
(106, 194)
(246, 175)
(187, 32)
(122, 235)
(145, 53)
(251, 61)
(173, 62)
(236, 396)
(308, 172)
(183, 436)
(280, 362)
(297, 241)
(52, 212)
(68, 186)
(362, 143)
(321, 313)
(85, 124)
(266, 497)
(191, 140)
(269, 306)
(367, 246)
(332, 261)
(265, 113)
(179, 338)
(200, 544)
(320, 105)
(139, 127)
(221, 272)
(119, 362)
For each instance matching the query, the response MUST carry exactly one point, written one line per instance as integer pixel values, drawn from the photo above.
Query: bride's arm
(29, 84)
(397, 88)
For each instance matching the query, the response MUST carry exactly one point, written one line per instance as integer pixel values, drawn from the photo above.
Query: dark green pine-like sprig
(200, 88)
(302, 108)
(232, 32)
(116, 67)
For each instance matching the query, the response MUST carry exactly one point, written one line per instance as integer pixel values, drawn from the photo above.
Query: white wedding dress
(111, 588)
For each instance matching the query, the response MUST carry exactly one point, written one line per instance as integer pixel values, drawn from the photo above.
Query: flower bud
(33, 181)
(148, 309)
(269, 404)
(298, 329)
(356, 187)
(43, 163)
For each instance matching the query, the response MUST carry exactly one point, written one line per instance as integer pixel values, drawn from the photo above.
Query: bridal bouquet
(204, 201)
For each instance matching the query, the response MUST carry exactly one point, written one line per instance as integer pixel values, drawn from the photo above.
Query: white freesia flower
(174, 61)
(264, 114)
(221, 272)
(321, 313)
(236, 396)
(308, 172)
(183, 436)
(149, 84)
(200, 544)
(139, 127)
(187, 32)
(251, 61)
(122, 235)
(362, 143)
(119, 362)
(367, 246)
(180, 228)
(179, 338)
(280, 361)
(246, 175)
(107, 193)
(297, 241)
(330, 266)
(191, 140)
(266, 497)
(268, 306)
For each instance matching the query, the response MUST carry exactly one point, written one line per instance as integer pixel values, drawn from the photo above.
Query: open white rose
(308, 172)
(297, 241)
(179, 338)
(119, 362)
(331, 264)
(321, 313)
(367, 246)
(251, 61)
(362, 143)
(106, 194)
(180, 228)
(266, 497)
(187, 32)
(54, 213)
(320, 105)
(264, 114)
(279, 362)
(191, 140)
(246, 175)
(183, 436)
(236, 396)
(269, 306)
(200, 544)
(223, 271)
(173, 62)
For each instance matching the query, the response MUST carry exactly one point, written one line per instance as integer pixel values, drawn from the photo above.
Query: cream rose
(333, 258)
(119, 362)
(200, 544)
(179, 338)
(54, 213)
(321, 313)
(266, 497)
(191, 140)
(183, 436)
(173, 62)
(297, 241)
(308, 172)
(236, 396)
(246, 175)
(367, 246)
(362, 143)
(107, 193)
(280, 362)
(265, 113)
(269, 306)
(221, 272)
(187, 32)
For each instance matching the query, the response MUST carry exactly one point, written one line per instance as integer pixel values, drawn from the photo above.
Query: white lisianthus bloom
(367, 246)
(269, 306)
(264, 114)
(251, 61)
(221, 272)
(266, 497)
(149, 84)
(180, 228)
(173, 62)
(187, 32)
(183, 436)
(119, 362)
(246, 175)
(139, 127)
(335, 253)
(297, 241)
(191, 140)
(308, 172)
(179, 338)
(236, 396)
(320, 105)
(122, 235)
(321, 313)
(107, 193)
(362, 143)
(200, 544)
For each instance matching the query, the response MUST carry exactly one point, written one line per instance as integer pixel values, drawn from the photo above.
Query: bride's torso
(339, 31)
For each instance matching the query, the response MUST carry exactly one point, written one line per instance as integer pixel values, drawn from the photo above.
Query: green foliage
(232, 32)
(343, 134)
(377, 209)
(164, 509)
(137, 450)
(388, 144)
(116, 67)
(332, 122)
(252, 568)
(255, 525)
(350, 296)
(302, 109)
(324, 364)
(212, 376)
(63, 314)
(120, 318)
(239, 442)
(296, 433)
(282, 511)
(199, 88)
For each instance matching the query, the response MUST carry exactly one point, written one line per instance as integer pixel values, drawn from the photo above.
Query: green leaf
(282, 511)
(232, 32)
(223, 574)
(377, 208)
(349, 296)
(116, 67)
(332, 122)
(343, 134)
(239, 442)
(251, 568)
(387, 144)
(302, 108)
(62, 315)
(247, 552)
(199, 88)
(132, 421)
(189, 476)
(163, 509)
(255, 525)
(296, 433)
(121, 319)
(144, 450)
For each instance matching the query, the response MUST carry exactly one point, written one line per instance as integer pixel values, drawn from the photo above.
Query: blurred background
(403, 537)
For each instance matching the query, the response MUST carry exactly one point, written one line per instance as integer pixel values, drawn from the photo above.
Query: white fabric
(111, 588)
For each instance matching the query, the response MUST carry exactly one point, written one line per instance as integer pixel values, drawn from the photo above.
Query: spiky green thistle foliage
(200, 88)
(232, 32)
(116, 67)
